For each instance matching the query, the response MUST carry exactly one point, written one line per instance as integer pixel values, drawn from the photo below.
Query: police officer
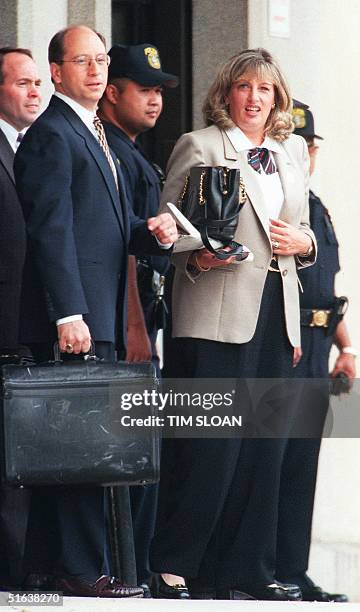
(321, 326)
(131, 105)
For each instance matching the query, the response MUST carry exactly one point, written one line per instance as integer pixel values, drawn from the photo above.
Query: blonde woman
(216, 530)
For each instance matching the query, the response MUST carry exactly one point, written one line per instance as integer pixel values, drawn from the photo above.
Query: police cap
(303, 120)
(139, 63)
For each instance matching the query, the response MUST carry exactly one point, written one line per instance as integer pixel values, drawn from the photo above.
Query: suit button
(284, 272)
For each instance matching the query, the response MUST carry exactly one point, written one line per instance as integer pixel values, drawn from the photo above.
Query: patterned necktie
(20, 136)
(105, 147)
(260, 156)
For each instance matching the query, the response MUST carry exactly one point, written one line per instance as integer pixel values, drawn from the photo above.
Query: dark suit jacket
(12, 248)
(79, 229)
(13, 503)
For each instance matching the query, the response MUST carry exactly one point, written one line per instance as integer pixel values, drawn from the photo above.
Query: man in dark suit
(19, 105)
(80, 229)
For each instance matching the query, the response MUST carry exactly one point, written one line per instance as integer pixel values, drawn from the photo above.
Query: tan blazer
(223, 304)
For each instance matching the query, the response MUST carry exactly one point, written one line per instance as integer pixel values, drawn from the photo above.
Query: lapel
(7, 156)
(122, 195)
(252, 186)
(288, 176)
(96, 152)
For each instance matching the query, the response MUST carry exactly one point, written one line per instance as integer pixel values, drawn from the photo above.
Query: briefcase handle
(90, 356)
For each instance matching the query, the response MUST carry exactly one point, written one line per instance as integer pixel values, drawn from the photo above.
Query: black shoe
(311, 592)
(163, 590)
(105, 586)
(38, 582)
(199, 589)
(316, 593)
(147, 590)
(276, 591)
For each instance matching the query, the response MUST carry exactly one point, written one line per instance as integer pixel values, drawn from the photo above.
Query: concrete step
(89, 604)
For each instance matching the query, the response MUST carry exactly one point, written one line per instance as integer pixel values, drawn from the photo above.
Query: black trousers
(218, 502)
(144, 498)
(299, 469)
(14, 512)
(66, 527)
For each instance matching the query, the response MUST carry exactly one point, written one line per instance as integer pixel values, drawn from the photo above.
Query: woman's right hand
(203, 260)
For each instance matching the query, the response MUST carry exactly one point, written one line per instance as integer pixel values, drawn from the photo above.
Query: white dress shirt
(270, 184)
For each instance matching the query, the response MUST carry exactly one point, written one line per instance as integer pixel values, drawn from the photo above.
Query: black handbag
(68, 423)
(212, 199)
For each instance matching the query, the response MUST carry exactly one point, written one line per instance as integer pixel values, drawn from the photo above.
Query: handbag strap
(235, 247)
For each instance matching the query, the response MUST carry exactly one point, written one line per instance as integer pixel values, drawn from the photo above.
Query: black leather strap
(235, 247)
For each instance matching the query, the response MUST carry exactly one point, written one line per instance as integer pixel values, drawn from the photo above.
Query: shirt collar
(11, 134)
(240, 142)
(85, 115)
(119, 132)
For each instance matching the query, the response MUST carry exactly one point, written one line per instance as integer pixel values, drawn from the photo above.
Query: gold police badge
(298, 116)
(152, 57)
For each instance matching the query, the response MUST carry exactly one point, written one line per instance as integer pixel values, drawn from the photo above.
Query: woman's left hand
(287, 239)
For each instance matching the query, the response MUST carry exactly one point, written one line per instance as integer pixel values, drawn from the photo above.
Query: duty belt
(312, 317)
(316, 317)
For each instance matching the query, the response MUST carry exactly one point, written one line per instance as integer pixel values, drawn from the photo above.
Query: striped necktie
(260, 157)
(105, 147)
(20, 136)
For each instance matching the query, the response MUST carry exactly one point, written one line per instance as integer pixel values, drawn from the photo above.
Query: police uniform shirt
(318, 281)
(142, 182)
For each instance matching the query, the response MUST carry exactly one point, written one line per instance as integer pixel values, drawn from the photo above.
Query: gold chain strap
(201, 189)
(225, 191)
(243, 195)
(202, 199)
(181, 198)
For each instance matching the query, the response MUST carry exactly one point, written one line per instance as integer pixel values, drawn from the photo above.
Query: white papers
(191, 239)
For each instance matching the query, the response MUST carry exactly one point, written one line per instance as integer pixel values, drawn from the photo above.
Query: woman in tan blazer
(218, 498)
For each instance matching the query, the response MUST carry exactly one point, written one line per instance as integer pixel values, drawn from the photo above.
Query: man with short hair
(80, 229)
(131, 104)
(20, 101)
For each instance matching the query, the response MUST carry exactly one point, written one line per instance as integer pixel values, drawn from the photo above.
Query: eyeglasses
(84, 61)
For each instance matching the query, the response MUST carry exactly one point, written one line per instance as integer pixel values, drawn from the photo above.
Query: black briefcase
(63, 424)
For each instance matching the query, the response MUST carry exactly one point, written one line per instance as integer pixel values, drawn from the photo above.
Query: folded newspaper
(190, 239)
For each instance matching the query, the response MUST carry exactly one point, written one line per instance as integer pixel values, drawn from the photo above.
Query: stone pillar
(219, 31)
(93, 13)
(36, 25)
(32, 23)
(8, 23)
